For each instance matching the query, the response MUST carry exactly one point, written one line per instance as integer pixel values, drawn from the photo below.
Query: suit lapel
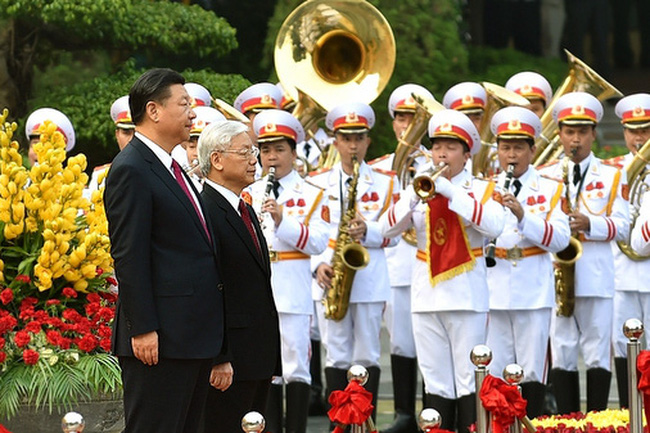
(168, 180)
(237, 224)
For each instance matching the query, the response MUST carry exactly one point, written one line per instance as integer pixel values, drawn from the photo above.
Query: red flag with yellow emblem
(449, 253)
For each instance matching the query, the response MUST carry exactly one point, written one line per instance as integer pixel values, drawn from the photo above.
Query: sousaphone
(331, 51)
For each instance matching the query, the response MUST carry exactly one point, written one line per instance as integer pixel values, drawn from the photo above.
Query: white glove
(410, 195)
(444, 187)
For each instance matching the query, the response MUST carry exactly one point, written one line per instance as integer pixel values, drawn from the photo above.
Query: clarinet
(490, 249)
(263, 216)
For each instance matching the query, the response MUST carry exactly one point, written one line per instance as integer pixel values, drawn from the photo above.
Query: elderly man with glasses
(227, 158)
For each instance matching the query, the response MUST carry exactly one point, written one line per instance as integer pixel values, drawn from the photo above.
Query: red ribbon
(643, 382)
(503, 401)
(351, 406)
(3, 429)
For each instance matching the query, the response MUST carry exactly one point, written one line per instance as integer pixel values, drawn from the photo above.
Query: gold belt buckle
(514, 254)
(273, 256)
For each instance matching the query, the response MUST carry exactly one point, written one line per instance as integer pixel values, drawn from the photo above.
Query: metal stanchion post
(359, 374)
(73, 422)
(429, 419)
(481, 357)
(514, 374)
(253, 422)
(633, 330)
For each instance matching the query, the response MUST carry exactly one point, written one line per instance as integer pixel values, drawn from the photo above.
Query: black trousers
(224, 410)
(168, 397)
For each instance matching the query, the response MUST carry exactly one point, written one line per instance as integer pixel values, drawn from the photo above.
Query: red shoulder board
(554, 179)
(379, 159)
(319, 171)
(386, 172)
(247, 198)
(548, 164)
(614, 162)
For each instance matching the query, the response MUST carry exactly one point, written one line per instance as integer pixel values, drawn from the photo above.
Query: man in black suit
(169, 321)
(227, 159)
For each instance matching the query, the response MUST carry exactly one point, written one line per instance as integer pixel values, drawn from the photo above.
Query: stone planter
(104, 415)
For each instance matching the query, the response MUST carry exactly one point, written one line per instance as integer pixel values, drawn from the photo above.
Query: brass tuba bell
(331, 51)
(581, 78)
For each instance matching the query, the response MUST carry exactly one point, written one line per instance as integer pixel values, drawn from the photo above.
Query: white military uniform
(400, 261)
(632, 294)
(355, 339)
(450, 318)
(641, 233)
(301, 233)
(310, 149)
(590, 327)
(522, 293)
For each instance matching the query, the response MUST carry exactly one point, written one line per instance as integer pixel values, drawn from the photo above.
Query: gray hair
(217, 136)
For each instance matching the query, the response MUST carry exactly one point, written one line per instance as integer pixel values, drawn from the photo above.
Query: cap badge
(514, 125)
(352, 118)
(526, 88)
(638, 112)
(578, 109)
(270, 127)
(409, 100)
(468, 99)
(266, 99)
(445, 127)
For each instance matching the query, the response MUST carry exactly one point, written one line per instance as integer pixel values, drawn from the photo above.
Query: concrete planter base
(101, 416)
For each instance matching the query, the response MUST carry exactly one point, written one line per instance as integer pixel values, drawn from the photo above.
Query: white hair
(217, 136)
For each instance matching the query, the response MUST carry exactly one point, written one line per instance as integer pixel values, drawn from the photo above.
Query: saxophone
(349, 257)
(565, 260)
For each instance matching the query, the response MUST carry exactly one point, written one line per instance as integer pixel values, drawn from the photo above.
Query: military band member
(632, 294)
(294, 230)
(449, 292)
(355, 338)
(469, 98)
(521, 284)
(199, 97)
(533, 87)
(204, 117)
(255, 98)
(124, 131)
(598, 214)
(401, 107)
(37, 118)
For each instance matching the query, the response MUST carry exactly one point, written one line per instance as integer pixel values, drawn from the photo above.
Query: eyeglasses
(244, 152)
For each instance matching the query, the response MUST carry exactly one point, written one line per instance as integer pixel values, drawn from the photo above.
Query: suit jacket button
(220, 287)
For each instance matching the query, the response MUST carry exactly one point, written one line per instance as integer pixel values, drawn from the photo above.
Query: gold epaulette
(386, 172)
(319, 171)
(379, 159)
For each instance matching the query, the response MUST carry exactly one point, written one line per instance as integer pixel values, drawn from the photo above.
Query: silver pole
(73, 422)
(358, 373)
(481, 356)
(633, 330)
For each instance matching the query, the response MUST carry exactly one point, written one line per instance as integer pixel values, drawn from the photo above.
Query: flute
(490, 249)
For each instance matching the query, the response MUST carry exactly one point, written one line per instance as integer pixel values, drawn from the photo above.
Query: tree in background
(36, 35)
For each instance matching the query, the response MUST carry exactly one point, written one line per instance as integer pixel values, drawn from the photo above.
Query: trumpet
(424, 184)
(490, 249)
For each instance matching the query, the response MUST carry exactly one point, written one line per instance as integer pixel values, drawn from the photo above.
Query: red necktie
(246, 216)
(176, 168)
